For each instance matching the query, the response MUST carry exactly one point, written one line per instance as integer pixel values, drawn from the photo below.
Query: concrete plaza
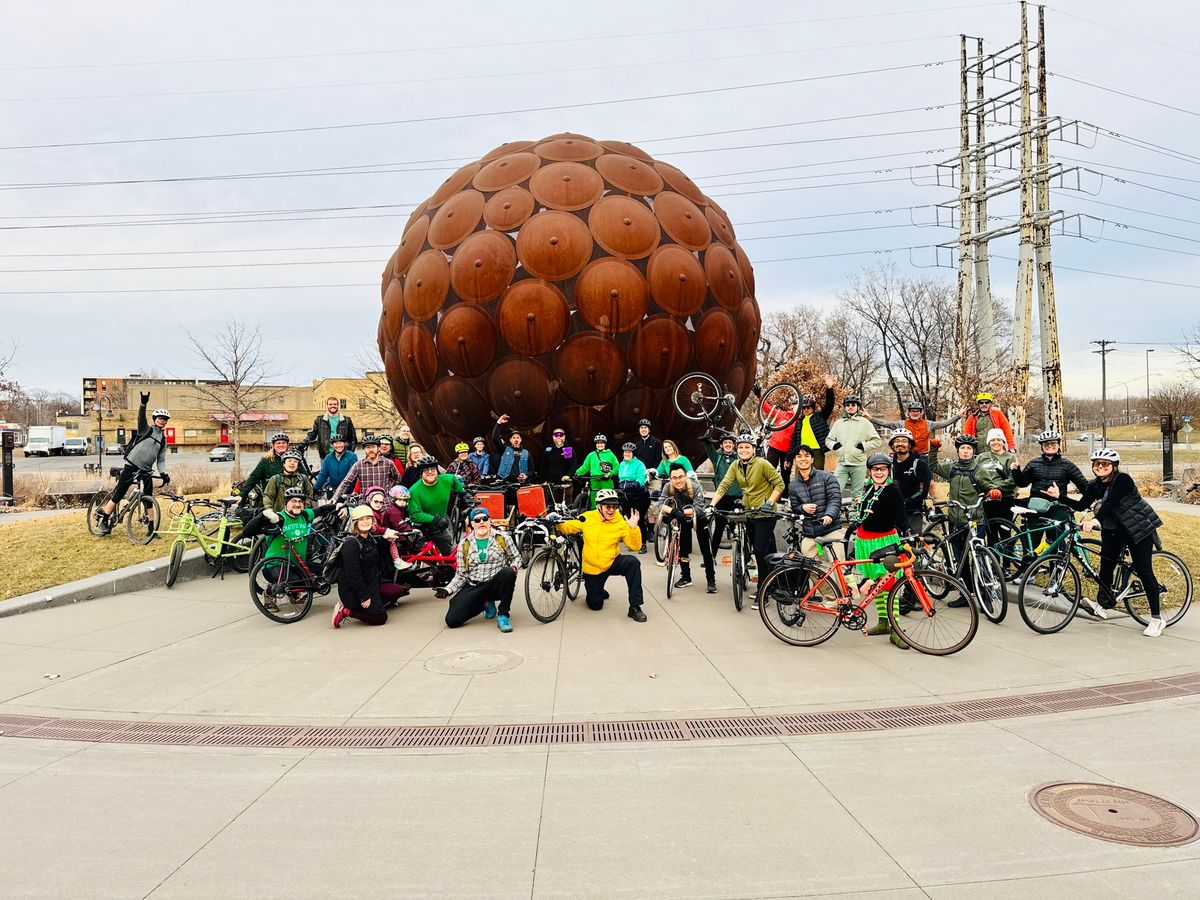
(935, 811)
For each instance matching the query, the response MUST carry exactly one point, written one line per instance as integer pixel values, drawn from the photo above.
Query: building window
(342, 403)
(190, 432)
(362, 402)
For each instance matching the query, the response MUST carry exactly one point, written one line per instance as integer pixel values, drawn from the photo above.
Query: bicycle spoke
(944, 618)
(796, 610)
(1049, 594)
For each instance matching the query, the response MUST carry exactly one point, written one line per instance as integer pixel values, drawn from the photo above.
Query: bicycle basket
(533, 501)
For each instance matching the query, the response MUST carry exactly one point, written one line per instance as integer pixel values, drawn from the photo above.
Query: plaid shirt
(381, 473)
(501, 554)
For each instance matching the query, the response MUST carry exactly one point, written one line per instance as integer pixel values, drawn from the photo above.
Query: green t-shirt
(294, 528)
(428, 501)
(482, 543)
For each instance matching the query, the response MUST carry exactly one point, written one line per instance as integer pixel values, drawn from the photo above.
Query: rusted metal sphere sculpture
(568, 282)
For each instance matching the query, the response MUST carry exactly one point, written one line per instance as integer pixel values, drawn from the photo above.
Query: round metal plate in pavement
(1117, 814)
(474, 662)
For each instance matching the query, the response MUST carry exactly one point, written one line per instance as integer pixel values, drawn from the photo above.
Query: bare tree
(241, 374)
(789, 334)
(853, 351)
(377, 395)
(1177, 399)
(1190, 348)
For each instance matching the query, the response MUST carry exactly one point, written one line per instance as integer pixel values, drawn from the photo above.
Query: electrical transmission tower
(975, 326)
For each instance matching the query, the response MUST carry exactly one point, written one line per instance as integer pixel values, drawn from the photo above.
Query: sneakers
(643, 551)
(340, 613)
(489, 612)
(754, 601)
(106, 524)
(683, 581)
(1156, 627)
(503, 623)
(1093, 607)
(635, 613)
(711, 587)
(957, 603)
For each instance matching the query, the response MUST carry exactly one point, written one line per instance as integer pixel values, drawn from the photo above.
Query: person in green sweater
(600, 468)
(631, 479)
(761, 487)
(429, 502)
(852, 437)
(671, 455)
(968, 480)
(721, 454)
(291, 476)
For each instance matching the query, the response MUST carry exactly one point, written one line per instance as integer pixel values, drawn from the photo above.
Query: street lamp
(98, 406)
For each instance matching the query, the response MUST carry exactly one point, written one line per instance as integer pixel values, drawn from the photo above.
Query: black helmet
(966, 440)
(915, 404)
(728, 436)
(294, 492)
(642, 422)
(280, 436)
(632, 448)
(425, 462)
(370, 439)
(292, 454)
(851, 398)
(879, 459)
(600, 439)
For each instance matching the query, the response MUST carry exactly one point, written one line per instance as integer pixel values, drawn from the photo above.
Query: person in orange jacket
(985, 418)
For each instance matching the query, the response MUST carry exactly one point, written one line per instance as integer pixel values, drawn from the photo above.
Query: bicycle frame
(857, 610)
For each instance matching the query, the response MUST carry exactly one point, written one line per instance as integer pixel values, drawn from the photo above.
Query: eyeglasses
(608, 506)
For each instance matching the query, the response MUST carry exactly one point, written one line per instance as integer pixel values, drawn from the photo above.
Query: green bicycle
(206, 522)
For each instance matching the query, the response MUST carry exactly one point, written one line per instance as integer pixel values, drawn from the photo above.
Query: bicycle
(140, 512)
(554, 575)
(211, 531)
(803, 612)
(739, 555)
(986, 571)
(282, 586)
(671, 551)
(699, 398)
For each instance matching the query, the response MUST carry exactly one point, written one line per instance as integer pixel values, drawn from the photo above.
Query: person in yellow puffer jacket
(604, 530)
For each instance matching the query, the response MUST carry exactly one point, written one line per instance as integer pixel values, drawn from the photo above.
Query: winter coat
(912, 477)
(464, 469)
(721, 462)
(821, 488)
(483, 462)
(847, 434)
(967, 481)
(558, 462)
(649, 451)
(149, 446)
(321, 433)
(602, 540)
(362, 558)
(267, 466)
(511, 462)
(1121, 506)
(273, 490)
(1001, 466)
(591, 469)
(1042, 471)
(757, 478)
(817, 423)
(335, 468)
(995, 419)
(920, 429)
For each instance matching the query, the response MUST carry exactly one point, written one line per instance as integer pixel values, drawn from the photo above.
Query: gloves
(859, 446)
(757, 390)
(166, 479)
(440, 523)
(441, 593)
(271, 516)
(145, 398)
(837, 446)
(935, 443)
(767, 506)
(553, 517)
(994, 494)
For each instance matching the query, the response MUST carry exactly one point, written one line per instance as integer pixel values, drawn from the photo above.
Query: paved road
(74, 464)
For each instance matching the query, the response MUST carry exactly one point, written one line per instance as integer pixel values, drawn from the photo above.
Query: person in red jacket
(779, 442)
(985, 418)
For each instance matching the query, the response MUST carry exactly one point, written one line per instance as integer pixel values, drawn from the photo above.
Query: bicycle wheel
(242, 562)
(175, 562)
(987, 578)
(142, 520)
(93, 510)
(1174, 587)
(795, 610)
(545, 586)
(697, 396)
(660, 542)
(280, 590)
(940, 558)
(573, 566)
(1049, 594)
(672, 560)
(738, 569)
(936, 625)
(784, 401)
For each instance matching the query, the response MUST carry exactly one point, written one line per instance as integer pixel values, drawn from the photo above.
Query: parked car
(114, 450)
(75, 446)
(221, 453)
(1089, 436)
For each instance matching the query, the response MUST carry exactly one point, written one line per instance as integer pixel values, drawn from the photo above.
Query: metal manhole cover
(473, 662)
(1117, 814)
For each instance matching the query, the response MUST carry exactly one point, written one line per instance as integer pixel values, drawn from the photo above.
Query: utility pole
(966, 268)
(984, 314)
(1052, 389)
(1023, 309)
(1104, 350)
(1148, 352)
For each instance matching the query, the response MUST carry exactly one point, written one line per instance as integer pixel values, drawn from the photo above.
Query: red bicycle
(427, 567)
(802, 603)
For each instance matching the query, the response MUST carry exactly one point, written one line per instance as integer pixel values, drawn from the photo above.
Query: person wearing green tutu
(880, 515)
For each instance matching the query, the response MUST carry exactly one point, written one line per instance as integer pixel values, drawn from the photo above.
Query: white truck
(46, 440)
(75, 446)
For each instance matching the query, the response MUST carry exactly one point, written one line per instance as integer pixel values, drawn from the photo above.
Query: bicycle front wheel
(573, 567)
(697, 396)
(795, 610)
(142, 520)
(783, 400)
(943, 617)
(672, 561)
(280, 590)
(987, 577)
(660, 543)
(1174, 589)
(1049, 594)
(738, 569)
(545, 586)
(175, 562)
(93, 511)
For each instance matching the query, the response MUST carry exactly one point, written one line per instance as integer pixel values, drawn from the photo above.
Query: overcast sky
(118, 74)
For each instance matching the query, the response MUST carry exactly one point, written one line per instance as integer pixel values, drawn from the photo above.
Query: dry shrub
(804, 372)
(1150, 485)
(30, 491)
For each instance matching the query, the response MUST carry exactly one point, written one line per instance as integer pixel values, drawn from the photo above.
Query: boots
(881, 627)
(685, 574)
(711, 578)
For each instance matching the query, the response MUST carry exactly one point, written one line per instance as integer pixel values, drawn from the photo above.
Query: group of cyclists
(877, 496)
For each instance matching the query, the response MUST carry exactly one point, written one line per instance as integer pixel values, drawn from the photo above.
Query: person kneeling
(361, 595)
(603, 531)
(485, 576)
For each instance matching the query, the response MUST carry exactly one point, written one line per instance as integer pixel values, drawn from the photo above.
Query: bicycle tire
(1049, 594)
(1177, 584)
(785, 612)
(93, 508)
(175, 562)
(697, 397)
(737, 568)
(988, 581)
(277, 593)
(788, 394)
(142, 520)
(545, 576)
(573, 566)
(241, 562)
(672, 560)
(941, 629)
(941, 559)
(660, 542)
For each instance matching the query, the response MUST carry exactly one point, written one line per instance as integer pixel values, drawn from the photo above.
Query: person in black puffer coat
(361, 594)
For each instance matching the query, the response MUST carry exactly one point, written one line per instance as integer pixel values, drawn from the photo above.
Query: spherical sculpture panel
(567, 282)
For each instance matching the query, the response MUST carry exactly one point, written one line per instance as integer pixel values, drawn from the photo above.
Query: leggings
(781, 460)
(129, 474)
(1113, 542)
(471, 599)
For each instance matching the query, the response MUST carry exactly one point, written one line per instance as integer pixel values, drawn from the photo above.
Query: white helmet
(160, 414)
(900, 432)
(607, 495)
(1107, 453)
(1045, 437)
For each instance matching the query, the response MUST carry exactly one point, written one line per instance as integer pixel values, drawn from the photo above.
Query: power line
(1113, 274)
(1121, 31)
(810, 187)
(460, 116)
(247, 265)
(192, 252)
(843, 253)
(196, 290)
(1100, 87)
(1106, 165)
(1143, 212)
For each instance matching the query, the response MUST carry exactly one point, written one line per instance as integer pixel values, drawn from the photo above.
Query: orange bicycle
(802, 602)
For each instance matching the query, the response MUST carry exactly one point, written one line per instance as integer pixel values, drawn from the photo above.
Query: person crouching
(485, 576)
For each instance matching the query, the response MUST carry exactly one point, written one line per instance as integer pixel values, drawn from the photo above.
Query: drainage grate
(1117, 814)
(654, 730)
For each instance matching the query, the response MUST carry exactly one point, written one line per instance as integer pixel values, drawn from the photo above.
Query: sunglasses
(1101, 464)
(479, 519)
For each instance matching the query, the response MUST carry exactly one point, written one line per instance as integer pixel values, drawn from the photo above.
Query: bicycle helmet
(642, 422)
(425, 462)
(608, 495)
(374, 489)
(460, 447)
(361, 512)
(746, 438)
(1107, 454)
(808, 400)
(966, 440)
(369, 440)
(851, 398)
(600, 439)
(632, 448)
(398, 492)
(161, 413)
(292, 454)
(280, 436)
(983, 395)
(1048, 436)
(478, 439)
(879, 459)
(294, 492)
(915, 404)
(900, 433)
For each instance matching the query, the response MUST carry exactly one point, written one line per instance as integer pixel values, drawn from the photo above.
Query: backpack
(503, 544)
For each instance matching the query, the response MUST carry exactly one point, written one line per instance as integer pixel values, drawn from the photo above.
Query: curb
(137, 577)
